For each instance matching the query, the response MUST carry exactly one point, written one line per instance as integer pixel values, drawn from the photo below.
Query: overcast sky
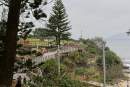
(98, 17)
(104, 18)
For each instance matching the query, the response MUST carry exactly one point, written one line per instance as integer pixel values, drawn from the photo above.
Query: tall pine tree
(58, 25)
(7, 56)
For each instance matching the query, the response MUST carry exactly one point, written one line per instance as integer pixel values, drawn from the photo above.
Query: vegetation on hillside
(79, 66)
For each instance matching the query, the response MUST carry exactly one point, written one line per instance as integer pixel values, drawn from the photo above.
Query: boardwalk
(52, 55)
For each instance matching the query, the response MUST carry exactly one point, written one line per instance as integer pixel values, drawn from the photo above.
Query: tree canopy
(15, 9)
(58, 24)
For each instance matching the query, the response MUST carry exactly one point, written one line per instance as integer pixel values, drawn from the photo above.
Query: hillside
(77, 67)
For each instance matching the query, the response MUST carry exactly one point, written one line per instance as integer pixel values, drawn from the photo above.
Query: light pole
(104, 65)
(37, 47)
(58, 55)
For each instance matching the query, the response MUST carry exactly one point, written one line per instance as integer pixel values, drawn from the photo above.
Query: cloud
(98, 17)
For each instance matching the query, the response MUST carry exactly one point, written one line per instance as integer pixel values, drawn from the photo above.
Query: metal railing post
(104, 66)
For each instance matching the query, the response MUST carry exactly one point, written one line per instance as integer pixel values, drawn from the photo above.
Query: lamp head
(128, 33)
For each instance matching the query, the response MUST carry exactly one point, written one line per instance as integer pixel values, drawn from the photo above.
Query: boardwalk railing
(52, 55)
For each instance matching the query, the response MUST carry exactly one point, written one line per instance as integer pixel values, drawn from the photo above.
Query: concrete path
(51, 55)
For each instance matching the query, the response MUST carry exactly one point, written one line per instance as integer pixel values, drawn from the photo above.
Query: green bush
(113, 66)
(34, 52)
(80, 71)
(68, 82)
(50, 69)
(51, 78)
(111, 59)
(24, 52)
(38, 54)
(92, 50)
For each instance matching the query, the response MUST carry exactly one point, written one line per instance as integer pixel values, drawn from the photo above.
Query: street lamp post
(104, 65)
(58, 55)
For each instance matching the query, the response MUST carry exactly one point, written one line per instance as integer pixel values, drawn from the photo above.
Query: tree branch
(2, 3)
(50, 2)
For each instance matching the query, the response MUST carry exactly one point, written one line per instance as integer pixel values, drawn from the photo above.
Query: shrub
(38, 54)
(24, 52)
(81, 71)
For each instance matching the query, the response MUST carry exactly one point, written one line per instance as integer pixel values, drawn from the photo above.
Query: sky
(103, 18)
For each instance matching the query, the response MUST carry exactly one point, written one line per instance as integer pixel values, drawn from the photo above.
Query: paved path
(96, 84)
(51, 55)
(122, 83)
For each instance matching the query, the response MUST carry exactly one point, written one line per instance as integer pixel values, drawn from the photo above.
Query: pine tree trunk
(6, 67)
(58, 41)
